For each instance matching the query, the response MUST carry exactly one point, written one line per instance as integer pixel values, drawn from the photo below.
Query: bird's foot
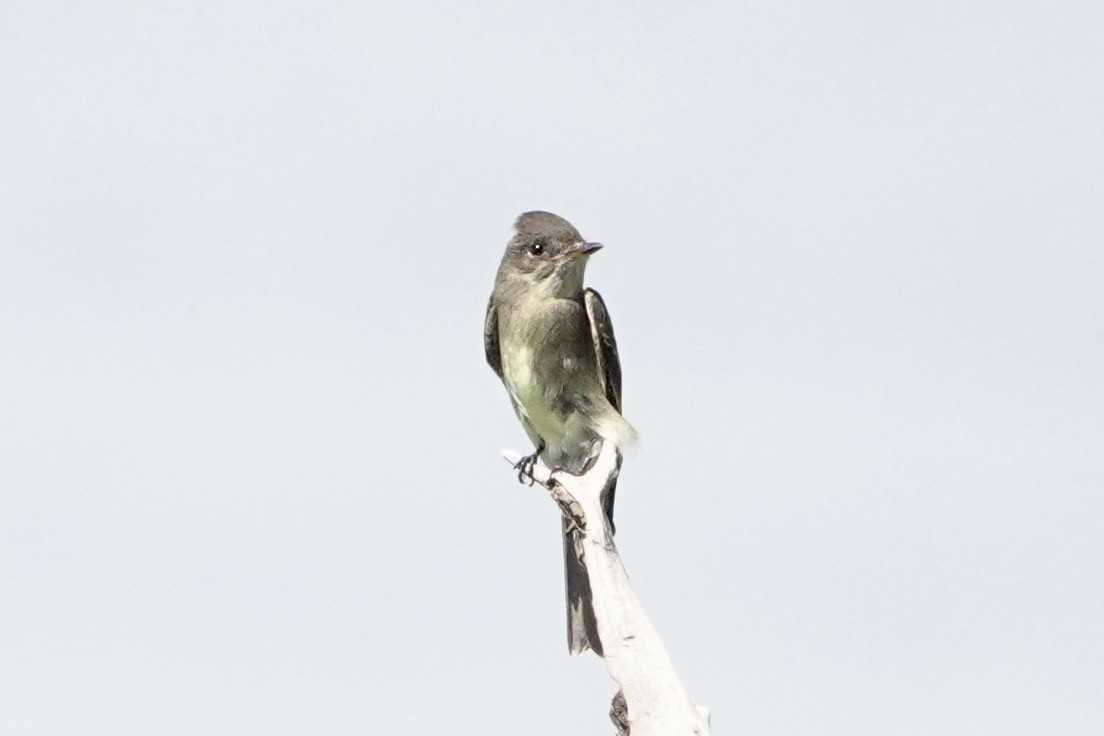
(525, 465)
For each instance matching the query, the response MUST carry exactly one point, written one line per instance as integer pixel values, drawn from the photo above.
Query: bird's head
(546, 253)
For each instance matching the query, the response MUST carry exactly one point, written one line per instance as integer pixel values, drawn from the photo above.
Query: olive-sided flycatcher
(551, 342)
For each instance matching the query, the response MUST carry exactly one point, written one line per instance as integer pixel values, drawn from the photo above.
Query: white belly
(531, 403)
(569, 438)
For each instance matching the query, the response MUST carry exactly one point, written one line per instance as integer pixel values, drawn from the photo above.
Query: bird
(550, 340)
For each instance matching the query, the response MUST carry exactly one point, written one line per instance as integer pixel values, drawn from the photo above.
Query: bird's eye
(536, 248)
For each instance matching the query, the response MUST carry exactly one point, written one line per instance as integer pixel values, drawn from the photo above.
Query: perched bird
(551, 342)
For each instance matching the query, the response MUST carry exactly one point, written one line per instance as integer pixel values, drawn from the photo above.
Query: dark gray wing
(609, 371)
(605, 346)
(490, 339)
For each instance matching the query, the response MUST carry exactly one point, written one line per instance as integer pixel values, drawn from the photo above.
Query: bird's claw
(525, 467)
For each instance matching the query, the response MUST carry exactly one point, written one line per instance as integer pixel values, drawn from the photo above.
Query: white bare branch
(654, 698)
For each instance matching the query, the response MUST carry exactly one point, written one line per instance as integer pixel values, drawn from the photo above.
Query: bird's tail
(582, 625)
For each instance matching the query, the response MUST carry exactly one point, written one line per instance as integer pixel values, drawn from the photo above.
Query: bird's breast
(517, 370)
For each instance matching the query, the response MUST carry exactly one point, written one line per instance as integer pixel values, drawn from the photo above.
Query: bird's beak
(584, 249)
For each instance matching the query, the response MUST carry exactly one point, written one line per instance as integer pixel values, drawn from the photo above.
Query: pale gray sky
(249, 471)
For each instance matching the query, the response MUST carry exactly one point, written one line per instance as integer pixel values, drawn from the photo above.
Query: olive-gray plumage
(551, 342)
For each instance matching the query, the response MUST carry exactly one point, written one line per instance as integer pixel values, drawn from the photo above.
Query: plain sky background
(249, 458)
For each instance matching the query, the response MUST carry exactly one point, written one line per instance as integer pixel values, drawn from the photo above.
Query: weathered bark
(651, 700)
